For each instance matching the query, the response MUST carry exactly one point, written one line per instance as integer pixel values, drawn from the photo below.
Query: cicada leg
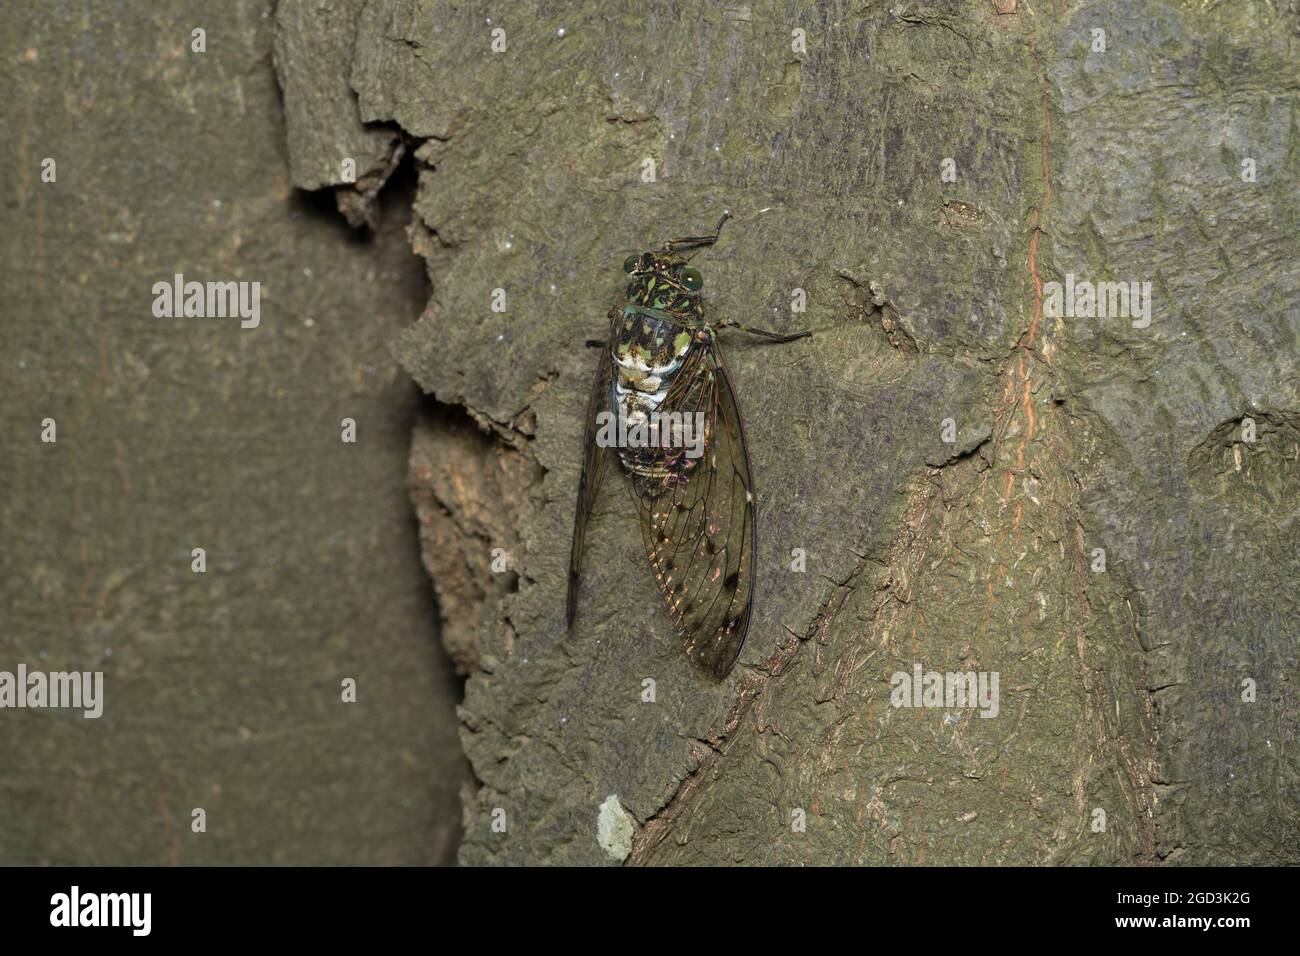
(763, 333)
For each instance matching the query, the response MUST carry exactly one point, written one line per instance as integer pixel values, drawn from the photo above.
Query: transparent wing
(698, 521)
(593, 466)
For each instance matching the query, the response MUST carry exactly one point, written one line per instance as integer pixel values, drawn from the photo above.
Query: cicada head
(665, 280)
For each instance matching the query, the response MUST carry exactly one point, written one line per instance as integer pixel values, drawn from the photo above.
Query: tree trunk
(978, 483)
(222, 688)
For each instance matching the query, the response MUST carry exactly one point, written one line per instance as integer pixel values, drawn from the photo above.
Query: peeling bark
(471, 494)
(328, 144)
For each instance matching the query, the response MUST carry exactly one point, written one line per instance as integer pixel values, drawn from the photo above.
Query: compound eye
(692, 279)
(630, 263)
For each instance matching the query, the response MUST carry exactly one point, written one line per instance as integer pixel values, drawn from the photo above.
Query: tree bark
(222, 690)
(923, 173)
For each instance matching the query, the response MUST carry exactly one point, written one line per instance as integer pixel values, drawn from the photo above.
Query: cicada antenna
(688, 242)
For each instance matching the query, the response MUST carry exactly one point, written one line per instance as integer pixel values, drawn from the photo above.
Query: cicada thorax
(656, 359)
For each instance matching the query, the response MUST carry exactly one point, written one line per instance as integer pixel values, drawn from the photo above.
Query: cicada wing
(698, 521)
(593, 466)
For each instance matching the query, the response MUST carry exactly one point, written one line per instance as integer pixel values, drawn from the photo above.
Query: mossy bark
(922, 172)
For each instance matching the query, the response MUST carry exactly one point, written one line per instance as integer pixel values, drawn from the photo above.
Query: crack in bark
(711, 752)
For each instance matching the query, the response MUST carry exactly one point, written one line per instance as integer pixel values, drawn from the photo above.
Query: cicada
(664, 400)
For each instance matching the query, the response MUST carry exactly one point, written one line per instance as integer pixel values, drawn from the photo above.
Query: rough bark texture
(222, 689)
(313, 56)
(1120, 690)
